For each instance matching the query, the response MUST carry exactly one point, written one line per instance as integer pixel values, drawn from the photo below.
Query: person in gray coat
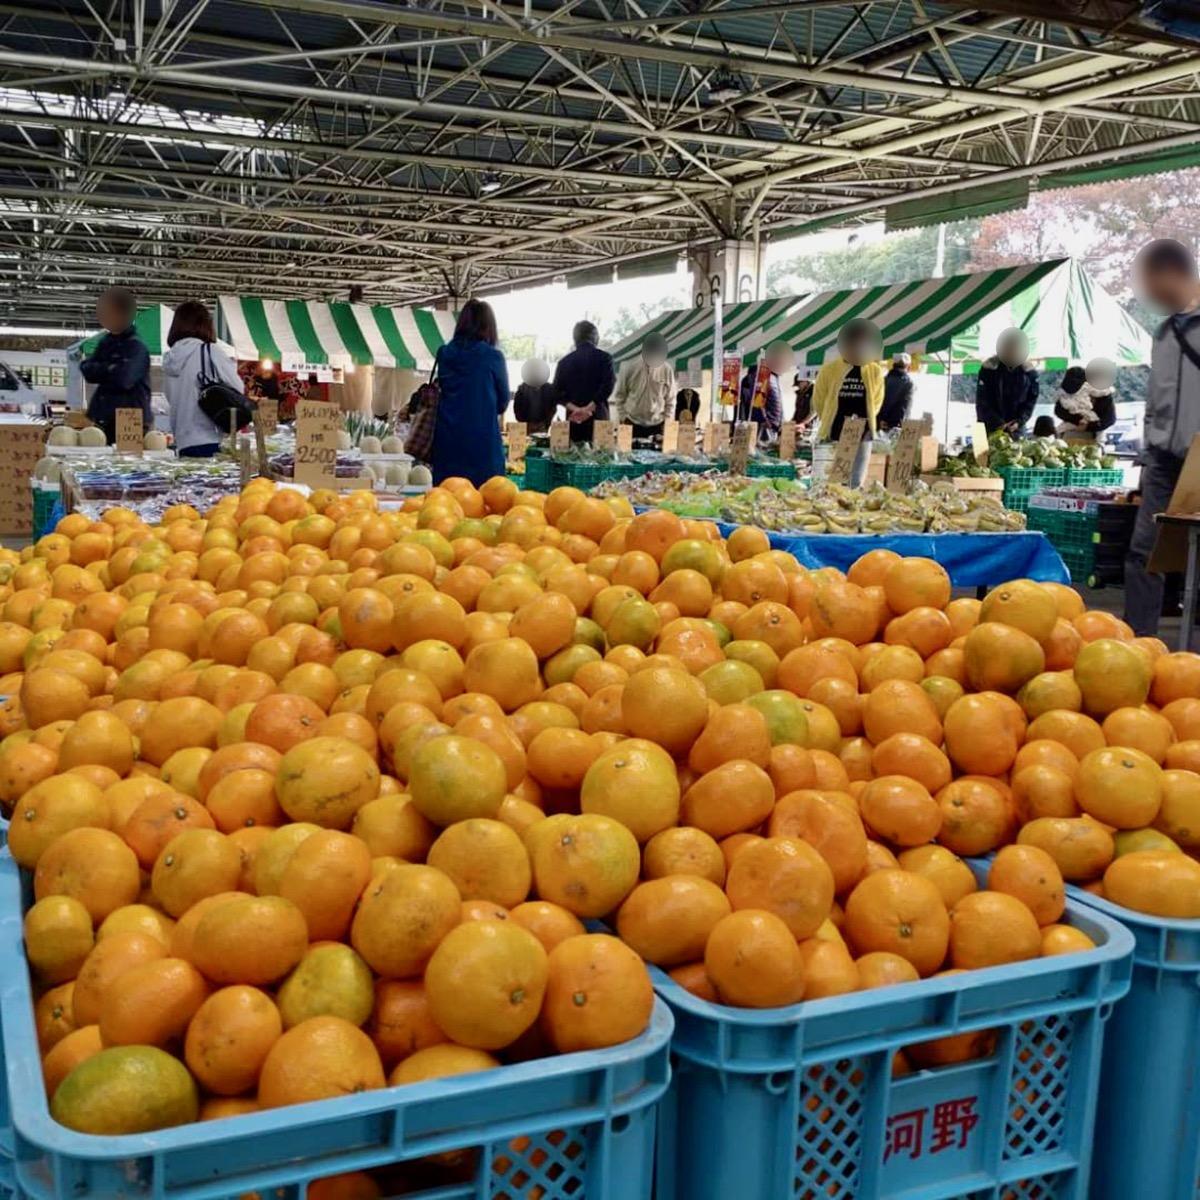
(192, 352)
(1168, 280)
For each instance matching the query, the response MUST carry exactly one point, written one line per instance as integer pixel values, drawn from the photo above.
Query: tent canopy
(1067, 316)
(689, 331)
(295, 333)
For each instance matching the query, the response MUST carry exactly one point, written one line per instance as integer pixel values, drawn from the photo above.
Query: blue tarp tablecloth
(972, 559)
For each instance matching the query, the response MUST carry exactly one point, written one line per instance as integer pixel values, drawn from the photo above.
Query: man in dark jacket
(1006, 390)
(1168, 280)
(120, 367)
(583, 382)
(897, 394)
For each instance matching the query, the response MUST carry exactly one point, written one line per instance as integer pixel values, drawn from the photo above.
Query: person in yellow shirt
(852, 385)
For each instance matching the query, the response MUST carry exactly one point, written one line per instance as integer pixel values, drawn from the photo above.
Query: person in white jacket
(192, 351)
(646, 389)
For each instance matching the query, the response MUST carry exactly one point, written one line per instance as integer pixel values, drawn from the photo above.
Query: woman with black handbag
(200, 382)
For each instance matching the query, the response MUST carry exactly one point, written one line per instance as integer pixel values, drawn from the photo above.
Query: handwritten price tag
(979, 442)
(129, 431)
(787, 441)
(268, 414)
(560, 436)
(625, 438)
(604, 435)
(316, 443)
(686, 447)
(739, 452)
(847, 447)
(903, 457)
(518, 440)
(670, 437)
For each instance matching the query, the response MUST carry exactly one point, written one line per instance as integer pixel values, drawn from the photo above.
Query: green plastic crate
(44, 516)
(1021, 483)
(1097, 477)
(770, 468)
(587, 475)
(537, 473)
(1073, 535)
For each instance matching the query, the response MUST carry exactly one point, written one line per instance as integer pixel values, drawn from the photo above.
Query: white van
(15, 394)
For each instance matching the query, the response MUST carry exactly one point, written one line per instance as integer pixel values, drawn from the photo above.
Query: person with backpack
(1166, 278)
(191, 360)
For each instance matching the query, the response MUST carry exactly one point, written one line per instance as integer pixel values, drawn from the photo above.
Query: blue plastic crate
(800, 1102)
(1148, 1126)
(576, 1127)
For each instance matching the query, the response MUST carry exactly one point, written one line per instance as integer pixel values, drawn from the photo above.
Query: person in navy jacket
(473, 378)
(120, 367)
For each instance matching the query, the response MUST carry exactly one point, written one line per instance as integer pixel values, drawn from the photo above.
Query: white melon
(397, 474)
(63, 435)
(48, 469)
(369, 444)
(420, 475)
(155, 440)
(344, 442)
(393, 445)
(93, 436)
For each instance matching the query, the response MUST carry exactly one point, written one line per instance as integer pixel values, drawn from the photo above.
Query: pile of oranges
(317, 798)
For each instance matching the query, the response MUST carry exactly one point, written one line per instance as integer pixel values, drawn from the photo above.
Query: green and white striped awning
(1068, 318)
(152, 325)
(689, 331)
(300, 333)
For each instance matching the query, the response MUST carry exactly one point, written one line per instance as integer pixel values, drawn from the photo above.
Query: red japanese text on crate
(944, 1126)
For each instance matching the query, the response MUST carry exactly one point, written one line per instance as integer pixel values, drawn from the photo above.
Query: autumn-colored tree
(1102, 224)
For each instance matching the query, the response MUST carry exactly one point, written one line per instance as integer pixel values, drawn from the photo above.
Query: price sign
(670, 437)
(268, 414)
(129, 431)
(604, 435)
(518, 440)
(316, 443)
(787, 441)
(625, 438)
(903, 457)
(739, 452)
(560, 436)
(686, 446)
(716, 439)
(979, 442)
(847, 447)
(927, 424)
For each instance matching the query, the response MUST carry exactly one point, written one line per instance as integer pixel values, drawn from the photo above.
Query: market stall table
(971, 559)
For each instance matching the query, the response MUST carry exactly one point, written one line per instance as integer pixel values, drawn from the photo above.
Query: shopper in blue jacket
(120, 367)
(473, 378)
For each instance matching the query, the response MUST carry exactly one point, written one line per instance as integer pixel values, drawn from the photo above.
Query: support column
(735, 263)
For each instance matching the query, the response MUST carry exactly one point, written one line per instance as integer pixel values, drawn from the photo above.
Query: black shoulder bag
(219, 401)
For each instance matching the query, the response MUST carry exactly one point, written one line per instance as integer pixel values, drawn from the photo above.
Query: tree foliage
(893, 259)
(617, 325)
(1103, 225)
